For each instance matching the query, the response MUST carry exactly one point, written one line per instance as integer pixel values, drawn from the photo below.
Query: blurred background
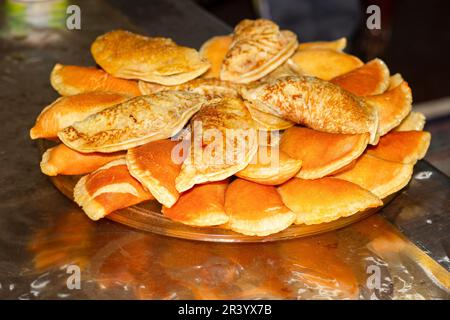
(414, 38)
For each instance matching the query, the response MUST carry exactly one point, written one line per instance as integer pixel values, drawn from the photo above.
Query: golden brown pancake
(215, 50)
(415, 121)
(255, 209)
(314, 103)
(135, 122)
(107, 189)
(211, 88)
(266, 121)
(395, 80)
(404, 147)
(65, 161)
(156, 165)
(67, 110)
(393, 106)
(269, 138)
(379, 176)
(325, 64)
(131, 56)
(270, 166)
(203, 205)
(258, 47)
(223, 142)
(369, 79)
(71, 80)
(326, 199)
(321, 153)
(338, 45)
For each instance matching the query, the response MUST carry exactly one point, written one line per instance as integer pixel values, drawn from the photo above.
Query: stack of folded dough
(195, 130)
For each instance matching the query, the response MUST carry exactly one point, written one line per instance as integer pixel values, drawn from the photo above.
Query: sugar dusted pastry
(326, 199)
(156, 165)
(201, 206)
(215, 50)
(258, 47)
(369, 79)
(107, 189)
(315, 103)
(256, 209)
(270, 166)
(321, 153)
(223, 142)
(67, 110)
(135, 122)
(155, 59)
(65, 161)
(414, 121)
(379, 176)
(71, 80)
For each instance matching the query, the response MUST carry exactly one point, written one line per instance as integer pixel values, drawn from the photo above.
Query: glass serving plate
(147, 217)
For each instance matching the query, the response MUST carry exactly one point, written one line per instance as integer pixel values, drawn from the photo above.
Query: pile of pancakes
(312, 133)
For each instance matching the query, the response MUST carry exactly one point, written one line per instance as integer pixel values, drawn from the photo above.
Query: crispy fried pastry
(404, 147)
(215, 50)
(315, 103)
(135, 122)
(156, 165)
(338, 45)
(67, 110)
(415, 121)
(326, 199)
(203, 205)
(270, 166)
(393, 106)
(258, 47)
(223, 142)
(71, 80)
(255, 209)
(379, 176)
(107, 189)
(369, 79)
(321, 153)
(325, 64)
(65, 161)
(266, 121)
(210, 88)
(131, 56)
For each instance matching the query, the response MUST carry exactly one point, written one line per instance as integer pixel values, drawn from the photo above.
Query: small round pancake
(203, 205)
(156, 165)
(379, 176)
(266, 121)
(270, 166)
(326, 199)
(215, 50)
(393, 106)
(255, 209)
(415, 121)
(370, 79)
(404, 147)
(325, 64)
(338, 45)
(321, 153)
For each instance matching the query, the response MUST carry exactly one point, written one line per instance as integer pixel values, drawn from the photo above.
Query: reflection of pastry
(135, 122)
(223, 142)
(202, 205)
(258, 47)
(71, 80)
(255, 209)
(63, 160)
(156, 165)
(67, 110)
(326, 199)
(131, 56)
(314, 103)
(107, 189)
(321, 153)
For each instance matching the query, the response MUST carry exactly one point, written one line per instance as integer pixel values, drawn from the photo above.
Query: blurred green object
(22, 15)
